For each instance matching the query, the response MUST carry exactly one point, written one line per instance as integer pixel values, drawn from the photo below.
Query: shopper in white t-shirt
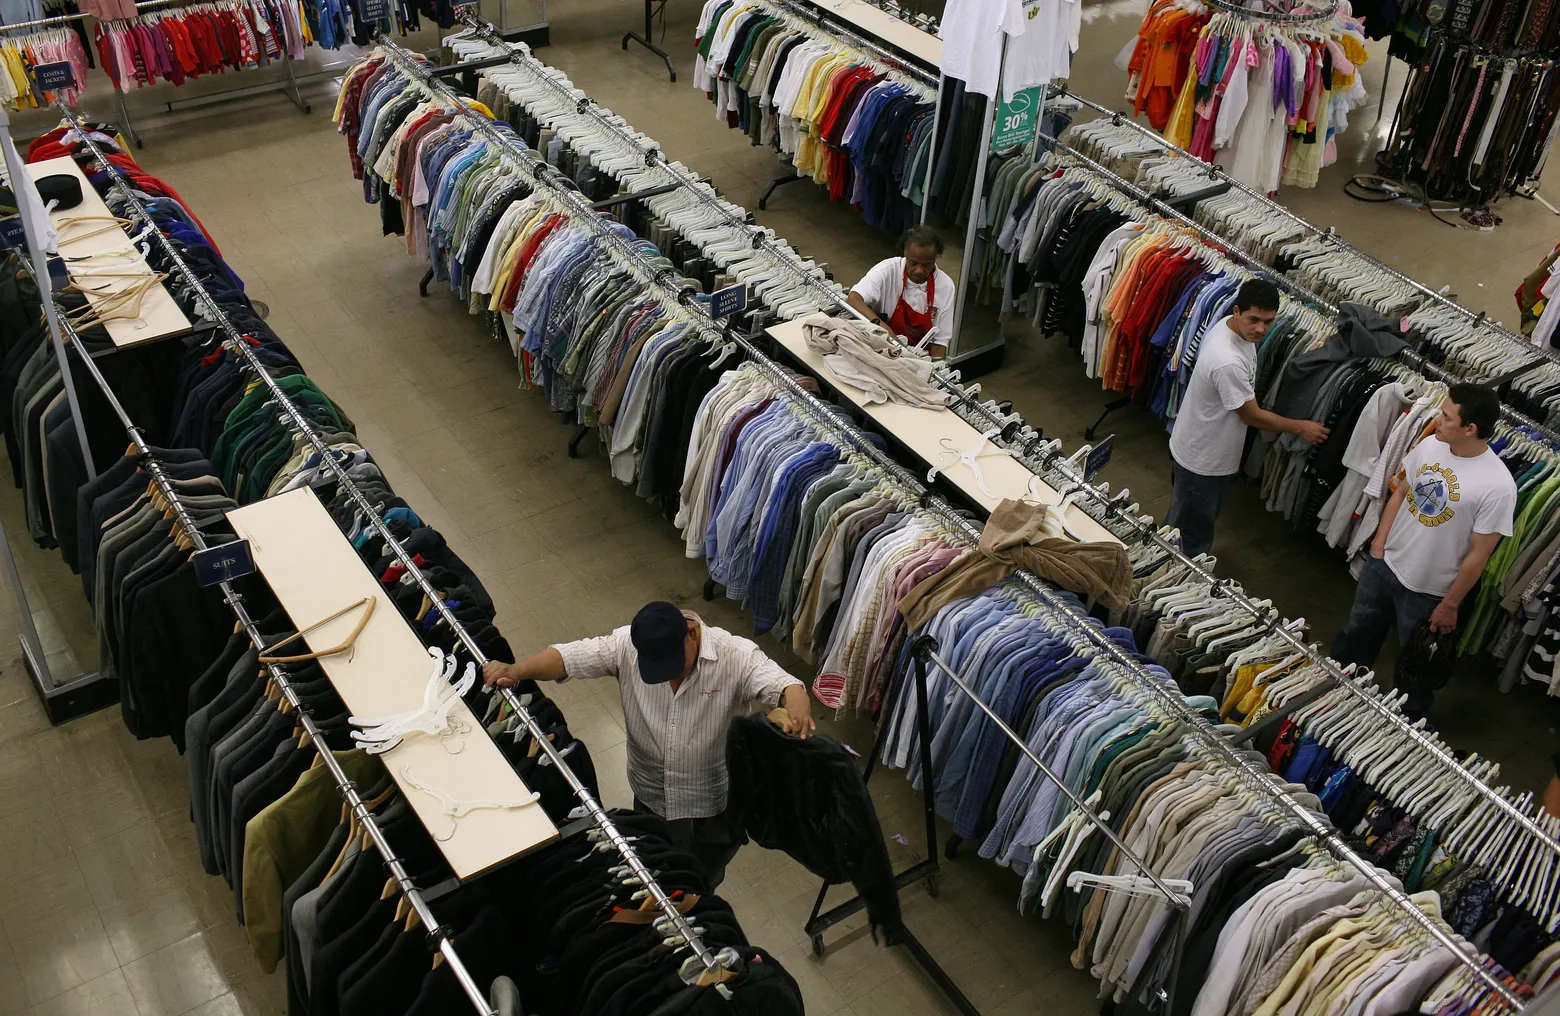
(1454, 500)
(910, 295)
(1219, 404)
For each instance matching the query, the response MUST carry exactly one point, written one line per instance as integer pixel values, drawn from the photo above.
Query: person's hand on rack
(1312, 431)
(546, 665)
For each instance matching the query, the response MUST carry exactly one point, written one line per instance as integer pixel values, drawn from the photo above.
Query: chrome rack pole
(673, 916)
(1171, 897)
(344, 783)
(1197, 724)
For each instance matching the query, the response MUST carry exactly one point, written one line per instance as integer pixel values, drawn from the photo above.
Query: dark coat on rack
(808, 799)
(1362, 333)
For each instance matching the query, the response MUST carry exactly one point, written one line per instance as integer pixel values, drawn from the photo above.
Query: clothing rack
(437, 937)
(1294, 289)
(1052, 464)
(1196, 725)
(288, 82)
(1477, 319)
(1065, 477)
(673, 921)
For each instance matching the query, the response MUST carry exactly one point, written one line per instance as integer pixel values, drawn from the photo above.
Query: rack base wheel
(932, 888)
(817, 945)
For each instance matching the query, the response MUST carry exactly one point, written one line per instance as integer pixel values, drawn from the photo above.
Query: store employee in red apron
(908, 295)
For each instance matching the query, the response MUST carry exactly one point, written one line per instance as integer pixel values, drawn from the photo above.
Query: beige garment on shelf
(866, 358)
(1017, 536)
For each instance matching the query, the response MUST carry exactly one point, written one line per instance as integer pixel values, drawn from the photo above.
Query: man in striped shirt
(682, 682)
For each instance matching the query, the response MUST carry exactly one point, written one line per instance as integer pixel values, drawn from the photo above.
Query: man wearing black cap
(682, 683)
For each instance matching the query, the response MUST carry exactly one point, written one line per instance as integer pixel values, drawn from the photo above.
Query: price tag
(728, 301)
(1098, 455)
(223, 563)
(12, 232)
(51, 77)
(375, 10)
(1016, 119)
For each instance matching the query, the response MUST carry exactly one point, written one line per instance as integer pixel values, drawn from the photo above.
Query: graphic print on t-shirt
(1433, 494)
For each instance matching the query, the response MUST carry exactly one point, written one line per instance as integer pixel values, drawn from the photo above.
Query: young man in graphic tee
(1453, 502)
(1219, 404)
(910, 296)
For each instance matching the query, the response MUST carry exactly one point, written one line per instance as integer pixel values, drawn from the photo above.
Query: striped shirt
(677, 742)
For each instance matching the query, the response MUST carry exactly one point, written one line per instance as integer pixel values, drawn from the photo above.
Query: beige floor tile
(107, 995)
(107, 875)
(176, 978)
(223, 1005)
(58, 951)
(13, 989)
(150, 918)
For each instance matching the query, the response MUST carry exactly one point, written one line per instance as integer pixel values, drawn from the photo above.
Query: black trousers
(707, 839)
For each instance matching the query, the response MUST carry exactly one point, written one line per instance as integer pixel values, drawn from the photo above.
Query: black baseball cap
(658, 633)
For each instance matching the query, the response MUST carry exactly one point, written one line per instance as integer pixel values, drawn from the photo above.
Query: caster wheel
(931, 885)
(817, 945)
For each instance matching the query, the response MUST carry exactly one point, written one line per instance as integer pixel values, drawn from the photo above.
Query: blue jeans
(1195, 501)
(1380, 600)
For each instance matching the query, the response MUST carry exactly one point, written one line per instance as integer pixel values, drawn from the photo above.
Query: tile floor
(103, 907)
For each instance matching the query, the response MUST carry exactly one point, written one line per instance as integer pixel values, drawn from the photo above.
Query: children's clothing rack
(288, 82)
(1198, 727)
(674, 920)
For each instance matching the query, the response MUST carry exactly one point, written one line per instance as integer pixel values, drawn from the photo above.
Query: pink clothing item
(109, 10)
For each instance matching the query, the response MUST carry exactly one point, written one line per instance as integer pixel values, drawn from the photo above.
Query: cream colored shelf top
(937, 436)
(158, 316)
(880, 24)
(315, 572)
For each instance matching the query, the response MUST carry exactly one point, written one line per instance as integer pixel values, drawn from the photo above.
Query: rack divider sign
(1098, 456)
(12, 232)
(375, 10)
(223, 563)
(52, 77)
(1016, 119)
(728, 301)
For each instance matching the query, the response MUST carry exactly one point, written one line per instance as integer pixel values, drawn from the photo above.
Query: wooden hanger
(368, 602)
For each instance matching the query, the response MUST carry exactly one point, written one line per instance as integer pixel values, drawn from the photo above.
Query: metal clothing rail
(660, 279)
(673, 921)
(1324, 12)
(348, 789)
(1477, 318)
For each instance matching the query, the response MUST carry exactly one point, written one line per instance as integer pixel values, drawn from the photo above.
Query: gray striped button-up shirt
(677, 742)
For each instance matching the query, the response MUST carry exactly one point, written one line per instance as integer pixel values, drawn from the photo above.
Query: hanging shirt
(1450, 497)
(1208, 435)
